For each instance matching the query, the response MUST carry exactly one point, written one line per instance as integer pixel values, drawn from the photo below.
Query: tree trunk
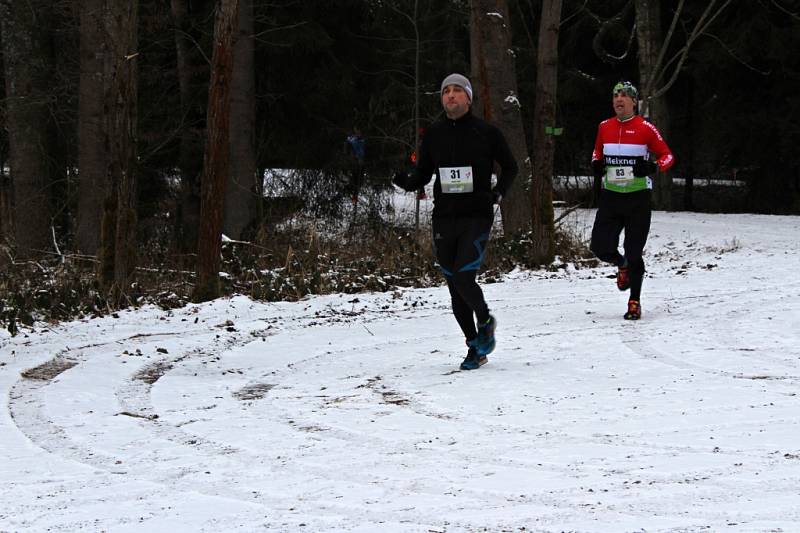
(494, 79)
(652, 108)
(190, 157)
(119, 229)
(27, 58)
(241, 197)
(543, 143)
(217, 159)
(94, 183)
(6, 227)
(417, 124)
(688, 152)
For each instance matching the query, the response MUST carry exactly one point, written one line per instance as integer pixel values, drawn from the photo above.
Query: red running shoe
(634, 310)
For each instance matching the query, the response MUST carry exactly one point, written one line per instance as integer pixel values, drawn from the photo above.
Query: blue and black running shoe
(485, 342)
(473, 361)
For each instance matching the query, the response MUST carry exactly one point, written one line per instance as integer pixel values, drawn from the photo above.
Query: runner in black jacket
(460, 152)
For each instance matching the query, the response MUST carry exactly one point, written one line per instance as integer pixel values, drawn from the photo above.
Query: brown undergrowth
(284, 264)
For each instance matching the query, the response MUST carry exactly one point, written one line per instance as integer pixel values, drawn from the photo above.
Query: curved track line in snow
(29, 409)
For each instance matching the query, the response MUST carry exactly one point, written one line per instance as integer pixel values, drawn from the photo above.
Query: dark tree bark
(217, 159)
(190, 66)
(241, 197)
(27, 58)
(654, 108)
(94, 184)
(688, 152)
(494, 81)
(543, 143)
(120, 219)
(6, 226)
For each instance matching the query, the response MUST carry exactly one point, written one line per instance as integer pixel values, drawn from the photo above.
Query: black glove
(644, 168)
(497, 196)
(401, 179)
(598, 168)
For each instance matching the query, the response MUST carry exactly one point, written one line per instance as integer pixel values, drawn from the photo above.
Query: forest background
(135, 133)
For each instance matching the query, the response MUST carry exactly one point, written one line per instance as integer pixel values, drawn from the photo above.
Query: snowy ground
(345, 413)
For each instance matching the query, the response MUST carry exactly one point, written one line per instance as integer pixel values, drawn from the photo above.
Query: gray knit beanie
(461, 81)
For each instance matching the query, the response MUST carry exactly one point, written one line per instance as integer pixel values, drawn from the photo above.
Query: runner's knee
(463, 279)
(609, 256)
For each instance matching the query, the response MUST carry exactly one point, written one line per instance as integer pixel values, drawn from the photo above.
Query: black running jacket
(450, 146)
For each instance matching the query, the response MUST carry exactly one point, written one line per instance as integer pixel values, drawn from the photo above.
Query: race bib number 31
(619, 175)
(455, 179)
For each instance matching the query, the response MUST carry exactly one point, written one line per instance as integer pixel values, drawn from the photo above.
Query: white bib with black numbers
(620, 176)
(455, 179)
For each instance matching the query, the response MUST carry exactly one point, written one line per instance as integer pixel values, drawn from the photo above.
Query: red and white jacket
(621, 143)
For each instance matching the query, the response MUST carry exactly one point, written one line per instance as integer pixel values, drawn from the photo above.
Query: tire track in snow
(703, 328)
(29, 406)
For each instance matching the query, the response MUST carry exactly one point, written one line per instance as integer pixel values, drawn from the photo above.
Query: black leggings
(631, 212)
(459, 245)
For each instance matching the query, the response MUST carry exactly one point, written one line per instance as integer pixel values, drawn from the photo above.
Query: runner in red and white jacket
(621, 160)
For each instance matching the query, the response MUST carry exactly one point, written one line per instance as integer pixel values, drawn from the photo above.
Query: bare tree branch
(657, 72)
(605, 27)
(793, 15)
(575, 14)
(736, 57)
(683, 53)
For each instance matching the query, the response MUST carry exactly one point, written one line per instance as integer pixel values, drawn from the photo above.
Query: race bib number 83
(619, 175)
(455, 179)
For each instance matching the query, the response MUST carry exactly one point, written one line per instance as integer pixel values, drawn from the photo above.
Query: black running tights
(623, 211)
(459, 245)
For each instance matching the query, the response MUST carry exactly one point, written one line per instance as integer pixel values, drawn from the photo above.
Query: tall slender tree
(657, 72)
(497, 99)
(6, 225)
(543, 141)
(649, 37)
(411, 15)
(118, 227)
(193, 74)
(28, 65)
(94, 184)
(217, 158)
(242, 191)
